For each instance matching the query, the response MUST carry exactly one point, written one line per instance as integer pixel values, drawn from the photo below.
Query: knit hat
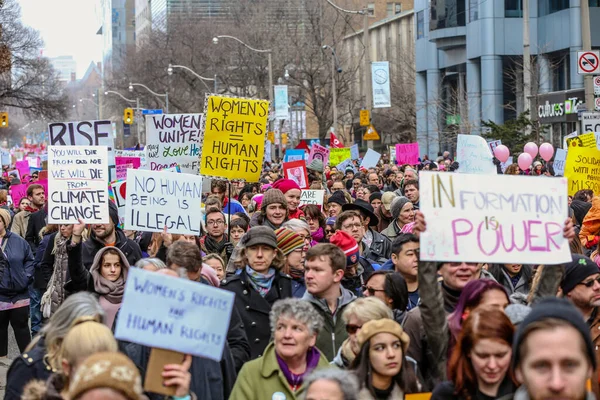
(259, 235)
(273, 196)
(316, 165)
(337, 197)
(288, 240)
(330, 221)
(383, 325)
(113, 212)
(397, 205)
(576, 271)
(348, 245)
(6, 218)
(558, 308)
(580, 209)
(375, 196)
(107, 370)
(386, 200)
(285, 185)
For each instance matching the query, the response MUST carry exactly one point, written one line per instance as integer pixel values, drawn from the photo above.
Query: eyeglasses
(352, 329)
(589, 284)
(216, 223)
(371, 290)
(329, 231)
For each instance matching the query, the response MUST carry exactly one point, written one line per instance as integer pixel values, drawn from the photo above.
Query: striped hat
(348, 245)
(288, 240)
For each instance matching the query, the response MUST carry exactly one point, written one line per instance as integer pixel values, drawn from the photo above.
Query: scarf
(295, 381)
(30, 209)
(61, 269)
(112, 291)
(296, 273)
(212, 246)
(450, 298)
(261, 282)
(318, 235)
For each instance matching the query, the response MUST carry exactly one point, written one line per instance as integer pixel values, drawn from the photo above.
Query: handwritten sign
(23, 167)
(294, 155)
(121, 171)
(407, 153)
(354, 153)
(474, 156)
(337, 155)
(117, 192)
(174, 313)
(234, 138)
(83, 133)
(156, 199)
(494, 218)
(560, 159)
(583, 169)
(136, 162)
(318, 152)
(588, 140)
(141, 154)
(313, 196)
(370, 159)
(78, 184)
(296, 171)
(345, 164)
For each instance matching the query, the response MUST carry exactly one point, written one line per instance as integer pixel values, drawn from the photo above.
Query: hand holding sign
(179, 375)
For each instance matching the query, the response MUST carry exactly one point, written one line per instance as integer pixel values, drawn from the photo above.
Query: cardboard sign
(23, 168)
(494, 218)
(153, 381)
(156, 199)
(296, 171)
(407, 153)
(493, 144)
(78, 184)
(583, 169)
(141, 154)
(121, 171)
(370, 159)
(337, 155)
(318, 152)
(294, 155)
(560, 159)
(313, 196)
(174, 313)
(234, 138)
(344, 164)
(354, 153)
(173, 139)
(5, 156)
(117, 192)
(83, 133)
(474, 156)
(136, 162)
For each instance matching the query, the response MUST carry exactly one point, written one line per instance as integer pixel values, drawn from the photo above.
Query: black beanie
(375, 196)
(576, 271)
(580, 209)
(337, 197)
(113, 212)
(553, 307)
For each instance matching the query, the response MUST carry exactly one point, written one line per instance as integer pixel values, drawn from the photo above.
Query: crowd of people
(332, 302)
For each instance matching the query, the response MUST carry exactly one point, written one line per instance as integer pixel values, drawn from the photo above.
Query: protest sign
(78, 184)
(5, 156)
(474, 156)
(156, 199)
(588, 140)
(407, 153)
(296, 171)
(583, 169)
(173, 139)
(136, 162)
(493, 218)
(234, 138)
(83, 133)
(34, 162)
(312, 196)
(370, 159)
(268, 152)
(493, 144)
(141, 154)
(175, 314)
(354, 153)
(560, 158)
(337, 155)
(345, 164)
(508, 162)
(569, 136)
(597, 134)
(13, 174)
(18, 192)
(121, 171)
(294, 155)
(117, 192)
(318, 152)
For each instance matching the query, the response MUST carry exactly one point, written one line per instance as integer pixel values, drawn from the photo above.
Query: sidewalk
(13, 352)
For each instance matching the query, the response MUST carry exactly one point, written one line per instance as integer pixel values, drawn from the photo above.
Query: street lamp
(94, 103)
(334, 67)
(202, 79)
(165, 95)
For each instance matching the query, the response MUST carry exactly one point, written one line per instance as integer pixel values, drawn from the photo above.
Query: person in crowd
(33, 363)
(553, 354)
(331, 384)
(4, 202)
(383, 214)
(374, 179)
(245, 199)
(411, 191)
(292, 192)
(381, 365)
(352, 223)
(273, 211)
(259, 284)
(288, 359)
(337, 186)
(357, 269)
(229, 206)
(23, 205)
(324, 268)
(292, 246)
(16, 276)
(590, 227)
(390, 287)
(375, 201)
(335, 203)
(301, 228)
(216, 240)
(584, 195)
(374, 246)
(403, 215)
(580, 209)
(237, 228)
(357, 314)
(363, 193)
(329, 228)
(316, 223)
(150, 264)
(217, 264)
(405, 260)
(516, 279)
(37, 198)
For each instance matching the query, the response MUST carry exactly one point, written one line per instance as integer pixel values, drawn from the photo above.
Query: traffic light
(3, 120)
(128, 116)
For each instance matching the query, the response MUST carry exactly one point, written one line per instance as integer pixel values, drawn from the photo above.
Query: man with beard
(216, 241)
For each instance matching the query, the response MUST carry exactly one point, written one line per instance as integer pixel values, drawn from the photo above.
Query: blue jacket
(388, 266)
(18, 272)
(298, 288)
(233, 206)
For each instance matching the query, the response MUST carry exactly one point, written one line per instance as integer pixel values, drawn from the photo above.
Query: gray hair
(298, 309)
(347, 381)
(155, 262)
(296, 224)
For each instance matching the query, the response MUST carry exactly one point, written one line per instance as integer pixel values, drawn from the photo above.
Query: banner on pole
(281, 102)
(380, 76)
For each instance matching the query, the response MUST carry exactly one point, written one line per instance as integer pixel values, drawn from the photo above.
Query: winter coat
(523, 285)
(384, 221)
(298, 287)
(446, 389)
(54, 269)
(16, 269)
(356, 282)
(28, 367)
(594, 323)
(396, 394)
(37, 221)
(334, 333)
(40, 281)
(254, 309)
(19, 223)
(380, 250)
(263, 379)
(127, 246)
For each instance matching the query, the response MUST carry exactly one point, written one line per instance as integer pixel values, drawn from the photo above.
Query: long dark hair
(406, 379)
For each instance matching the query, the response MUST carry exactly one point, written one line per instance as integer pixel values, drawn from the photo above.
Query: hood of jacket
(346, 298)
(98, 257)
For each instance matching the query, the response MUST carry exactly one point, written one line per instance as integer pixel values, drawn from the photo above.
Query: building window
(447, 14)
(393, 9)
(513, 8)
(371, 9)
(594, 3)
(546, 7)
(473, 10)
(420, 24)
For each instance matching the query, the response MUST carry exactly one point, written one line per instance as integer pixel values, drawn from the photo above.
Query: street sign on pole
(588, 62)
(152, 112)
(590, 122)
(371, 134)
(365, 118)
(597, 85)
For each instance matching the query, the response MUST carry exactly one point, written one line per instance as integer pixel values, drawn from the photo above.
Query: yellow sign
(337, 155)
(365, 118)
(371, 134)
(234, 138)
(583, 169)
(271, 137)
(284, 138)
(585, 140)
(418, 396)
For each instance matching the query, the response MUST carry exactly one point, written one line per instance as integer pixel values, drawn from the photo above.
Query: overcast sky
(68, 27)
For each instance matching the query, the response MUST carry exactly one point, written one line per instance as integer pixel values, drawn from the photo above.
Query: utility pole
(586, 41)
(368, 90)
(526, 58)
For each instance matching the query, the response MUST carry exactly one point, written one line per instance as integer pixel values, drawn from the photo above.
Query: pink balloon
(546, 151)
(531, 149)
(525, 161)
(502, 153)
